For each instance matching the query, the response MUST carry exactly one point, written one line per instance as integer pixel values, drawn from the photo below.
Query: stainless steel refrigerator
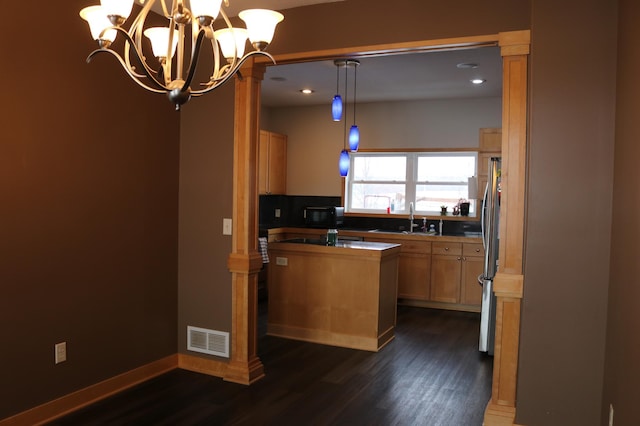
(490, 240)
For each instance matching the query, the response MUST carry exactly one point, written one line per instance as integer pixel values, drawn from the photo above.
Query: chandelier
(174, 70)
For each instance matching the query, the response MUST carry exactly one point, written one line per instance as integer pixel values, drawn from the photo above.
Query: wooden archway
(244, 262)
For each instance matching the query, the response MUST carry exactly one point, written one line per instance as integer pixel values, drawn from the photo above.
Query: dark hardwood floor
(431, 374)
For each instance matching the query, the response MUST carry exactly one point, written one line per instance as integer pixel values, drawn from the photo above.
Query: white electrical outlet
(277, 213)
(610, 414)
(227, 226)
(60, 351)
(282, 261)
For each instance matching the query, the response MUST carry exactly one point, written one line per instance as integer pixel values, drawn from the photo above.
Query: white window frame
(410, 182)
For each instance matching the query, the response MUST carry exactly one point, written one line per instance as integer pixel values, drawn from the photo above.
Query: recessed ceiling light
(467, 65)
(306, 91)
(478, 81)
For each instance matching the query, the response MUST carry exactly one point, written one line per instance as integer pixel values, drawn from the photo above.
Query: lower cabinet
(446, 272)
(454, 273)
(472, 267)
(414, 267)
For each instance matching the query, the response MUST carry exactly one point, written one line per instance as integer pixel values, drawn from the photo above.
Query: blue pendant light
(354, 132)
(343, 163)
(336, 108)
(354, 138)
(336, 105)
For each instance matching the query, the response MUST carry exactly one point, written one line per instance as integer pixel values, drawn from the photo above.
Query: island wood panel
(331, 295)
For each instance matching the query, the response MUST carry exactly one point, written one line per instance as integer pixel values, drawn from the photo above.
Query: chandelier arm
(135, 77)
(130, 45)
(194, 60)
(231, 72)
(164, 8)
(126, 65)
(134, 35)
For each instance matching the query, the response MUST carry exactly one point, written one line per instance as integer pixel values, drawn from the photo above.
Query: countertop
(357, 245)
(469, 237)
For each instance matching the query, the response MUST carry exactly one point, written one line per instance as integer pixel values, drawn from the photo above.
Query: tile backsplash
(291, 214)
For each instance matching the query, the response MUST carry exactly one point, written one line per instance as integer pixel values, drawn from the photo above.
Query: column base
(244, 373)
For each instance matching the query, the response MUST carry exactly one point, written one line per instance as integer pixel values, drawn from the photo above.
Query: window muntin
(383, 180)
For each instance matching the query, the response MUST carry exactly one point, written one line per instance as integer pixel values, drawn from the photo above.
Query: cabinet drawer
(423, 247)
(472, 249)
(447, 248)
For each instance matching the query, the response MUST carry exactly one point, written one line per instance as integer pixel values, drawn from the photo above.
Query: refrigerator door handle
(483, 216)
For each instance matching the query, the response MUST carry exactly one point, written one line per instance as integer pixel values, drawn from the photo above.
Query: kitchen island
(342, 295)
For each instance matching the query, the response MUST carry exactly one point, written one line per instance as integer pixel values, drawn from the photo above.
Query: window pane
(442, 168)
(379, 168)
(366, 196)
(431, 197)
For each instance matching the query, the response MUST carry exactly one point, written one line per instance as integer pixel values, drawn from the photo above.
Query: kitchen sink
(384, 231)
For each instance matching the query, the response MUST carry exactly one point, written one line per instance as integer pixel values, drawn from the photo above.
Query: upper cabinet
(490, 146)
(272, 163)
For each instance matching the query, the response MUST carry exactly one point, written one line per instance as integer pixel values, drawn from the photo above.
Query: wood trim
(509, 281)
(387, 49)
(372, 344)
(439, 305)
(515, 43)
(74, 401)
(499, 416)
(508, 285)
(206, 366)
(505, 363)
(245, 367)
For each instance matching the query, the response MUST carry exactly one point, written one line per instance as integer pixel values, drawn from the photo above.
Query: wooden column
(245, 262)
(508, 283)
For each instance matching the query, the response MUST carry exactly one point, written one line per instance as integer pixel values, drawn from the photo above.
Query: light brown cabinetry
(454, 273)
(472, 267)
(272, 163)
(414, 267)
(433, 271)
(490, 146)
(446, 272)
(341, 296)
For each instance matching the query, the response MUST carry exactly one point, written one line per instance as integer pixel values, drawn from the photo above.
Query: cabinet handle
(458, 258)
(464, 258)
(477, 250)
(446, 249)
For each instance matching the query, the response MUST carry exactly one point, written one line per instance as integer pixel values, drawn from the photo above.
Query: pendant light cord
(355, 83)
(346, 95)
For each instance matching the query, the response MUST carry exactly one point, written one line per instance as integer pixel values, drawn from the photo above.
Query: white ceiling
(236, 6)
(432, 75)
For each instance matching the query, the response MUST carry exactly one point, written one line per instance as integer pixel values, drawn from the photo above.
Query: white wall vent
(210, 342)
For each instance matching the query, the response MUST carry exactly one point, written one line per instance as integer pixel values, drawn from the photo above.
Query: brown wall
(206, 190)
(88, 212)
(568, 212)
(622, 370)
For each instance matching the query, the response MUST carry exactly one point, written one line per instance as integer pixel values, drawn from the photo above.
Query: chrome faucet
(411, 224)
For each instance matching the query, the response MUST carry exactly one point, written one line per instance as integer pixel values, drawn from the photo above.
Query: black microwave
(328, 217)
